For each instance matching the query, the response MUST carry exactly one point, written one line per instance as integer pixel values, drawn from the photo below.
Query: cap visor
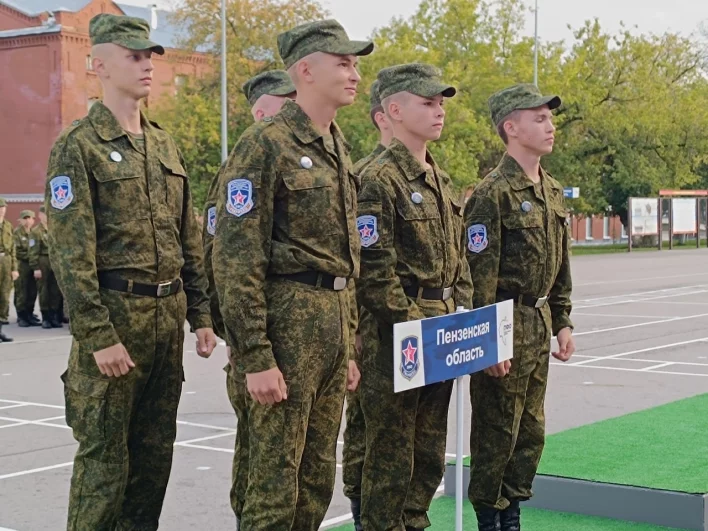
(553, 102)
(353, 48)
(430, 89)
(282, 91)
(142, 44)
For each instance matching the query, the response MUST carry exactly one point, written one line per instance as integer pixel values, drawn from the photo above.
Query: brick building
(597, 230)
(46, 82)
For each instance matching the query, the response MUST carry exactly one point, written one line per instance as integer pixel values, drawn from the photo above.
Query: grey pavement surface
(642, 335)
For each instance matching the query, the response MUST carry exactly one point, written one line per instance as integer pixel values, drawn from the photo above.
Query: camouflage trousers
(5, 285)
(236, 391)
(354, 448)
(50, 299)
(406, 434)
(25, 288)
(292, 445)
(508, 420)
(126, 426)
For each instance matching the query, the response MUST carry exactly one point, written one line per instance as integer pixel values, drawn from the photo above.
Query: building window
(588, 228)
(89, 63)
(606, 227)
(624, 232)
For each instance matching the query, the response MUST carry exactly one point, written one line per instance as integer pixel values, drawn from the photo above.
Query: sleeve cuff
(257, 363)
(202, 320)
(560, 323)
(101, 339)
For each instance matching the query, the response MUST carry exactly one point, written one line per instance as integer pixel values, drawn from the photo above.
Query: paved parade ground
(642, 335)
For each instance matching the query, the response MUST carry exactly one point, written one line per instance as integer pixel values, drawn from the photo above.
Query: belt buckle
(340, 283)
(164, 289)
(447, 293)
(541, 302)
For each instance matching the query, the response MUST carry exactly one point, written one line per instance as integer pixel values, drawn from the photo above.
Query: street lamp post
(224, 128)
(535, 46)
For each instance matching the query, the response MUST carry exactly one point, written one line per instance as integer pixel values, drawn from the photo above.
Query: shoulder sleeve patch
(477, 238)
(62, 194)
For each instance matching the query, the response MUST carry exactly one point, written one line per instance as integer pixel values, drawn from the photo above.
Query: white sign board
(683, 213)
(644, 216)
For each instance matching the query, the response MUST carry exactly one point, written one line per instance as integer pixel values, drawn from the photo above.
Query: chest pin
(416, 198)
(306, 162)
(116, 157)
(526, 206)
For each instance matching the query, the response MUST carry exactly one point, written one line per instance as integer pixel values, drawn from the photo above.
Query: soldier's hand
(499, 370)
(267, 387)
(566, 345)
(15, 275)
(114, 361)
(206, 341)
(38, 274)
(353, 376)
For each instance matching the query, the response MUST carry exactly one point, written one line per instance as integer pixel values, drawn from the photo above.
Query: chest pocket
(419, 224)
(121, 194)
(175, 176)
(310, 204)
(524, 233)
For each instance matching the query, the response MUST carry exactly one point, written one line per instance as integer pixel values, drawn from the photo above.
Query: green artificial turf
(442, 518)
(661, 448)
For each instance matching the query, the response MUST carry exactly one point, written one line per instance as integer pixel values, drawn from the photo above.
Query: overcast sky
(656, 16)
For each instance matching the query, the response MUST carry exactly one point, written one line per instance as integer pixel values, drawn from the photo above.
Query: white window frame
(606, 227)
(588, 228)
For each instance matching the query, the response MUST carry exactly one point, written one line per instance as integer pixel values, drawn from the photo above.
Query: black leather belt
(313, 278)
(430, 294)
(157, 291)
(525, 300)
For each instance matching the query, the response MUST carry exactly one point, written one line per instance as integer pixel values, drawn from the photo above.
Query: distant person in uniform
(286, 253)
(517, 249)
(266, 93)
(8, 268)
(412, 267)
(25, 285)
(50, 299)
(125, 248)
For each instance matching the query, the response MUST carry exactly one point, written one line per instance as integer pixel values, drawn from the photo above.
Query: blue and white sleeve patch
(477, 238)
(211, 220)
(239, 197)
(368, 230)
(62, 194)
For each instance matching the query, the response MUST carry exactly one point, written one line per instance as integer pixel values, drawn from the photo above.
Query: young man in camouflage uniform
(285, 257)
(517, 248)
(8, 268)
(25, 284)
(413, 267)
(50, 299)
(266, 93)
(125, 247)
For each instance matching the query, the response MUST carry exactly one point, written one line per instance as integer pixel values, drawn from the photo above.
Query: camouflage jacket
(517, 240)
(23, 242)
(411, 235)
(286, 203)
(112, 207)
(40, 237)
(7, 241)
(361, 165)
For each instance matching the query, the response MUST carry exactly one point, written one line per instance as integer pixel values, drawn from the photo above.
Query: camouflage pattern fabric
(112, 208)
(8, 264)
(129, 32)
(285, 204)
(417, 78)
(517, 241)
(238, 397)
(326, 36)
(25, 285)
(50, 298)
(354, 438)
(271, 82)
(417, 242)
(517, 97)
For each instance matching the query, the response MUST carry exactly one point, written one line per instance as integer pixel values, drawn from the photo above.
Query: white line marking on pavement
(639, 351)
(626, 281)
(640, 293)
(202, 439)
(35, 470)
(42, 340)
(642, 360)
(625, 315)
(10, 407)
(7, 529)
(40, 422)
(635, 325)
(631, 301)
(31, 404)
(626, 369)
(659, 366)
(677, 302)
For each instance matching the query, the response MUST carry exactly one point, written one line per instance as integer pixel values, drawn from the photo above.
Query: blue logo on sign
(211, 220)
(62, 195)
(239, 197)
(410, 361)
(368, 230)
(477, 238)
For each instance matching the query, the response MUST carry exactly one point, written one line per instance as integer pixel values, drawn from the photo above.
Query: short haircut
(373, 113)
(513, 115)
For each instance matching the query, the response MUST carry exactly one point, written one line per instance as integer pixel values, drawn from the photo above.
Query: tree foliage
(635, 107)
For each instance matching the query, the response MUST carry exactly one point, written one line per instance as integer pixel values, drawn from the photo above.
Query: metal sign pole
(224, 103)
(459, 462)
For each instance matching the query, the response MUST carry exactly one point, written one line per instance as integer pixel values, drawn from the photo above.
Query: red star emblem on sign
(409, 352)
(60, 193)
(239, 198)
(365, 232)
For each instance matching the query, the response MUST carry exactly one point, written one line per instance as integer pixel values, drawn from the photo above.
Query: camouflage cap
(326, 36)
(41, 209)
(272, 83)
(3, 202)
(374, 94)
(417, 78)
(129, 32)
(26, 214)
(521, 96)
